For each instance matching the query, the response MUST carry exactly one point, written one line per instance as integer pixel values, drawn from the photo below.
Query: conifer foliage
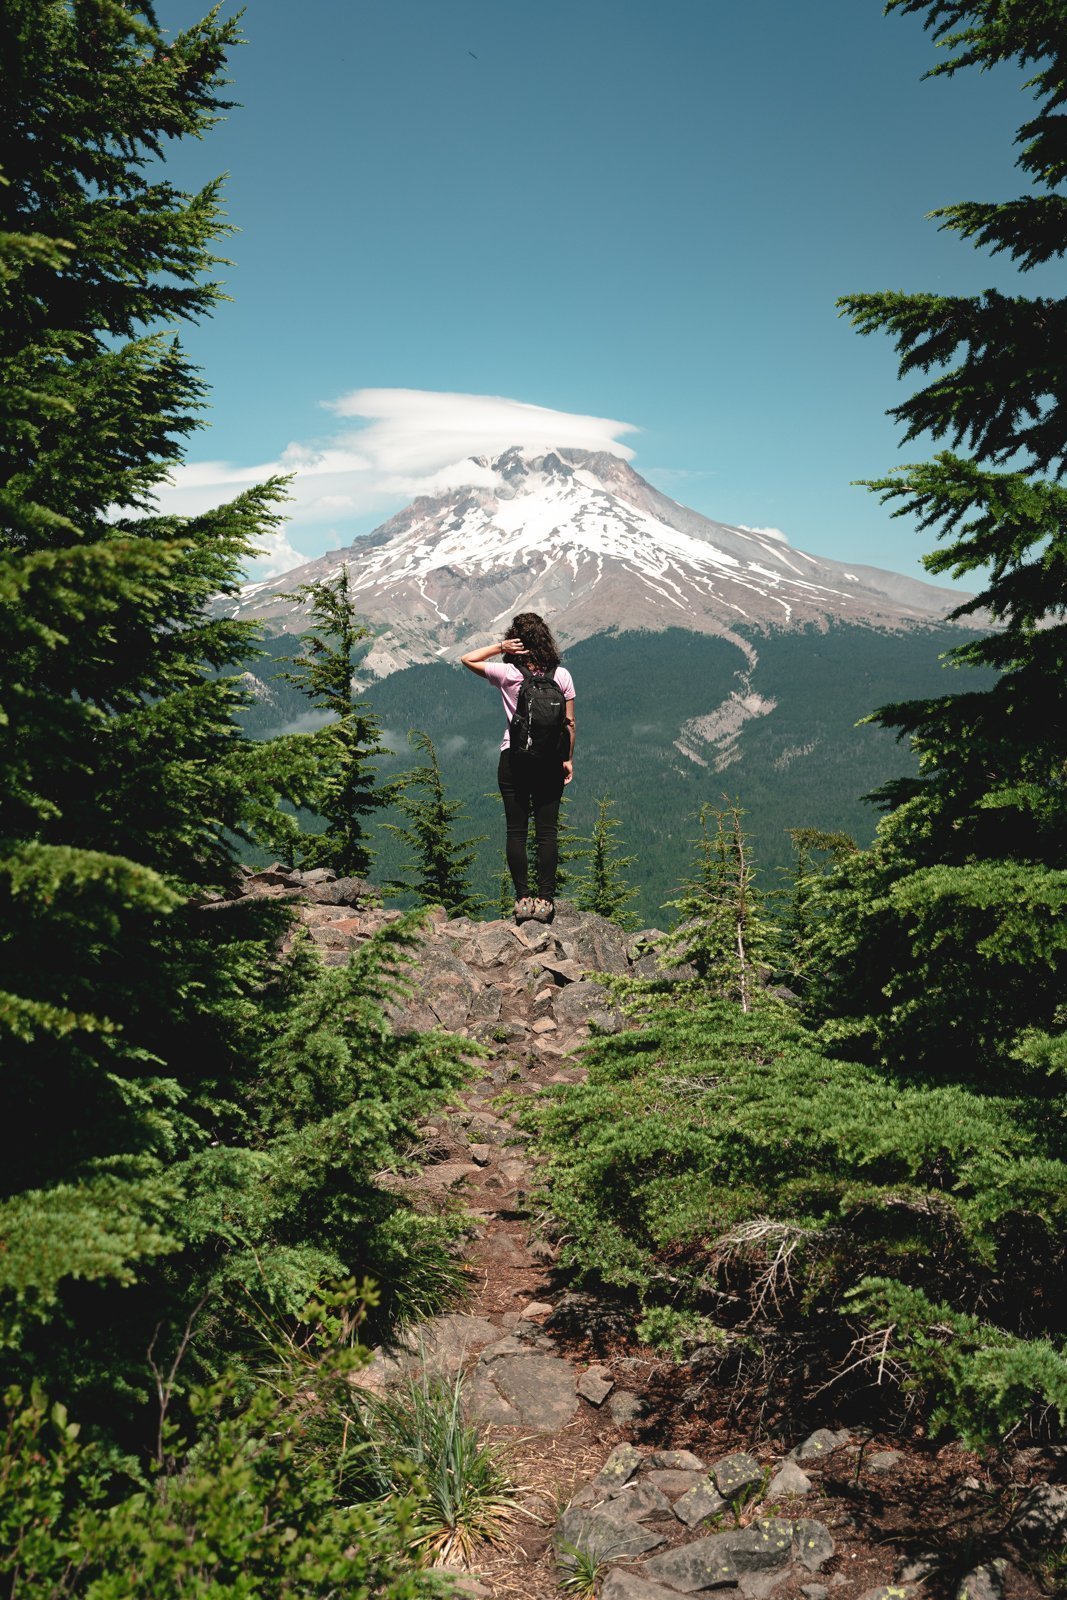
(948, 942)
(349, 791)
(603, 887)
(188, 1115)
(439, 866)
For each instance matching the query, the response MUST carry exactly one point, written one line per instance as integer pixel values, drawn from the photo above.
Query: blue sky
(633, 212)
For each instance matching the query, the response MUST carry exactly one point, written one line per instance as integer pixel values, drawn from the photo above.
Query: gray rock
(698, 1503)
(595, 1384)
(814, 1591)
(534, 1390)
(883, 1461)
(820, 1443)
(625, 1407)
(485, 1004)
(444, 1344)
(621, 1585)
(620, 1466)
(788, 1480)
(596, 944)
(675, 1483)
(736, 1473)
(583, 1002)
(1042, 1515)
(676, 1461)
(602, 1535)
(984, 1583)
(639, 1499)
(814, 1546)
(759, 1585)
(918, 1567)
(344, 892)
(768, 1543)
(704, 1564)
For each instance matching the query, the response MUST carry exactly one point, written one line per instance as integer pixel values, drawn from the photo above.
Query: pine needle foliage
(438, 871)
(722, 931)
(349, 791)
(603, 888)
(189, 1112)
(952, 918)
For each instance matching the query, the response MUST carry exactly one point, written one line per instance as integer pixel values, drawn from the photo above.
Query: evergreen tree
(947, 945)
(185, 1115)
(722, 930)
(816, 852)
(439, 868)
(603, 887)
(350, 792)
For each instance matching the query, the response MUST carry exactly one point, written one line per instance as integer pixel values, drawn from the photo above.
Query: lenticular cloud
(388, 445)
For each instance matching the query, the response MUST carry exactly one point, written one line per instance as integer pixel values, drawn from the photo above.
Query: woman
(528, 784)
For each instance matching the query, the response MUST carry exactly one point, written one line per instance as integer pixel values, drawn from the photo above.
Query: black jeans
(531, 787)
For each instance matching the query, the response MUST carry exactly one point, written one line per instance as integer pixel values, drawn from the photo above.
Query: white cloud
(768, 533)
(411, 441)
(277, 556)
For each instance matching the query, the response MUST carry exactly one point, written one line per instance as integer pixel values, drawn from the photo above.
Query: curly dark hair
(536, 635)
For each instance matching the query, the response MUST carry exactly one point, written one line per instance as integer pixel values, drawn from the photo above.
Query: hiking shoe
(543, 910)
(523, 910)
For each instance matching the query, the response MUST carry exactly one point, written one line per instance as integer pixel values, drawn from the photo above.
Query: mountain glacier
(581, 538)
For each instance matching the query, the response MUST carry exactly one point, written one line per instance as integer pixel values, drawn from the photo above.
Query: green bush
(719, 1164)
(240, 1503)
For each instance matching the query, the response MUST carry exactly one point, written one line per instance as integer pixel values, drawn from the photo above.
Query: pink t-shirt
(508, 680)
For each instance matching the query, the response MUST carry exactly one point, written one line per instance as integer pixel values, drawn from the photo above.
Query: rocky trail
(656, 1500)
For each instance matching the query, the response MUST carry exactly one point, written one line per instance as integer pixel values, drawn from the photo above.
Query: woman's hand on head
(513, 647)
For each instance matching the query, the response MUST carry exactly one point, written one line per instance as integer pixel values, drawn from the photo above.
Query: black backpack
(538, 727)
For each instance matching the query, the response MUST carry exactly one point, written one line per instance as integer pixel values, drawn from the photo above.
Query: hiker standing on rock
(537, 754)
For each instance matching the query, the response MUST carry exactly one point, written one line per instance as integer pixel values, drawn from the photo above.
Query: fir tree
(603, 887)
(722, 931)
(947, 941)
(439, 867)
(185, 1114)
(350, 792)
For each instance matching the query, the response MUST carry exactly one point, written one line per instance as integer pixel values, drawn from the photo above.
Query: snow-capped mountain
(579, 537)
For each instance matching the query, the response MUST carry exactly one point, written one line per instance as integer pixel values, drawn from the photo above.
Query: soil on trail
(640, 1447)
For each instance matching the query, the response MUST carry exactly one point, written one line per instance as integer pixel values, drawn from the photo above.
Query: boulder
(622, 1585)
(704, 1564)
(585, 1002)
(639, 1499)
(595, 945)
(595, 1384)
(736, 1473)
(620, 1466)
(676, 1461)
(1042, 1515)
(788, 1480)
(767, 1544)
(699, 1503)
(820, 1443)
(814, 1545)
(528, 1389)
(602, 1534)
(984, 1583)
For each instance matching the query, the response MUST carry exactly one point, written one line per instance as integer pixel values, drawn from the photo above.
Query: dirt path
(664, 1495)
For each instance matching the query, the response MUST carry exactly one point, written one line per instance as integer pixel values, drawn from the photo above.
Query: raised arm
(476, 659)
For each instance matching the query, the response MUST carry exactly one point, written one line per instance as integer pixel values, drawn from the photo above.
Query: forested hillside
(804, 764)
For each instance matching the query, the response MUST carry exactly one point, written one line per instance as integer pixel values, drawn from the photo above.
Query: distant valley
(800, 761)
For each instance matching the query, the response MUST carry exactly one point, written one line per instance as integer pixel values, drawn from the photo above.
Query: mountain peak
(581, 537)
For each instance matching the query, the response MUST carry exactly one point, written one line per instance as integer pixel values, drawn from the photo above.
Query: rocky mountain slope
(582, 538)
